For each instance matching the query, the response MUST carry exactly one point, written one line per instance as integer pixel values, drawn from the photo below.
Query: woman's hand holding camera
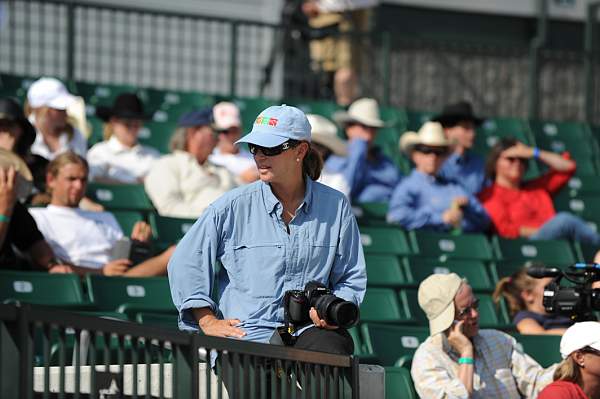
(314, 316)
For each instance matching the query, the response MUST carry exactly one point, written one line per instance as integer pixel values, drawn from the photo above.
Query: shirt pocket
(257, 269)
(322, 256)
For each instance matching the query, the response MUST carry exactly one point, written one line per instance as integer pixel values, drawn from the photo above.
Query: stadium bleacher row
(392, 324)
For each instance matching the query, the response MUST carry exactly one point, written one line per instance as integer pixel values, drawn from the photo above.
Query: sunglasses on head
(432, 150)
(272, 151)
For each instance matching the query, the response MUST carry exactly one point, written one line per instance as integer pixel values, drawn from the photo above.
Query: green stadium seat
(163, 320)
(586, 206)
(505, 268)
(577, 147)
(170, 100)
(157, 135)
(120, 196)
(384, 240)
(559, 129)
(384, 271)
(15, 86)
(61, 290)
(407, 297)
(381, 305)
(393, 345)
(169, 230)
(550, 252)
(585, 252)
(415, 119)
(579, 185)
(399, 384)
(97, 134)
(130, 295)
(418, 269)
(494, 129)
(545, 349)
(444, 245)
(127, 219)
(370, 211)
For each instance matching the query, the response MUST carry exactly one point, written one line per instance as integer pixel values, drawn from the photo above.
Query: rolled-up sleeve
(191, 269)
(349, 273)
(531, 378)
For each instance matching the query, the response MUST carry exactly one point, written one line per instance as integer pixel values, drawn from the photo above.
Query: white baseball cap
(580, 335)
(49, 92)
(226, 115)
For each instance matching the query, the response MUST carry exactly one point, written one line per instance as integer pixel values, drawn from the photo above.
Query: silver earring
(297, 159)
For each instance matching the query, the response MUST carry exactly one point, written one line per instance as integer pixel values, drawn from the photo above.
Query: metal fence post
(538, 42)
(70, 41)
(233, 59)
(25, 342)
(385, 48)
(588, 60)
(9, 353)
(186, 368)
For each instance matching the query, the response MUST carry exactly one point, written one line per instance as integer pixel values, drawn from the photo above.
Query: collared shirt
(245, 231)
(467, 169)
(235, 163)
(112, 160)
(420, 200)
(369, 180)
(180, 187)
(83, 238)
(77, 143)
(501, 369)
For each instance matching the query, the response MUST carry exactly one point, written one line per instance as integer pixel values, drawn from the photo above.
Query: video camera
(577, 301)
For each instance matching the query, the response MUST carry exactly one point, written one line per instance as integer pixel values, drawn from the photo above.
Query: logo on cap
(263, 120)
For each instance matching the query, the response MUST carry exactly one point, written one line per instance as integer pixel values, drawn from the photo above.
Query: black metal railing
(83, 41)
(53, 353)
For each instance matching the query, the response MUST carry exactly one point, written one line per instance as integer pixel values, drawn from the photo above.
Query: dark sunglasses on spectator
(461, 314)
(513, 159)
(439, 151)
(273, 151)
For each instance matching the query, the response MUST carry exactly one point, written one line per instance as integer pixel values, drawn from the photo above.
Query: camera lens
(336, 311)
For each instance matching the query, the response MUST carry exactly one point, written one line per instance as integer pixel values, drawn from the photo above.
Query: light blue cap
(276, 125)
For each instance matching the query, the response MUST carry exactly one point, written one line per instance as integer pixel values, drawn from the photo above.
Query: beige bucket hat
(430, 134)
(324, 132)
(24, 179)
(436, 298)
(363, 110)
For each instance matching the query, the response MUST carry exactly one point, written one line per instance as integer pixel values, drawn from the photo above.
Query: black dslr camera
(578, 300)
(332, 309)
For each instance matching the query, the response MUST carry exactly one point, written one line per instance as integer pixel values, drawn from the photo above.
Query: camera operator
(578, 375)
(271, 236)
(459, 360)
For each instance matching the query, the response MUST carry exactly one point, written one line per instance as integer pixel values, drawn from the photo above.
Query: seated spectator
(525, 209)
(326, 142)
(578, 375)
(463, 165)
(425, 201)
(121, 158)
(459, 360)
(185, 182)
(17, 227)
(524, 295)
(47, 102)
(371, 175)
(86, 239)
(238, 161)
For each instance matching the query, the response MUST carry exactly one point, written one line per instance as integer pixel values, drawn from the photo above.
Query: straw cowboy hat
(363, 110)
(24, 179)
(324, 132)
(430, 134)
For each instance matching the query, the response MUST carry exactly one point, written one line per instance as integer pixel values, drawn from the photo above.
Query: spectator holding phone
(578, 375)
(86, 239)
(459, 360)
(423, 200)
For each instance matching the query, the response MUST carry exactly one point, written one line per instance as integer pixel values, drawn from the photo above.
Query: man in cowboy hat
(459, 360)
(120, 158)
(371, 175)
(462, 166)
(424, 200)
(327, 143)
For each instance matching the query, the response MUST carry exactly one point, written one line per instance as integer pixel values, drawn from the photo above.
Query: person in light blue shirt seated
(271, 236)
(423, 200)
(371, 175)
(463, 165)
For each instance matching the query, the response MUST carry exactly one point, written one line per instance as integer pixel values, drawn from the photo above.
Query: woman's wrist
(4, 218)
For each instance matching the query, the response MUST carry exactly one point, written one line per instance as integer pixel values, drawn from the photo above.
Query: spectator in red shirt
(525, 209)
(578, 375)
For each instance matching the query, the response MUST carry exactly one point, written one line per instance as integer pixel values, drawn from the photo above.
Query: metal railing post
(386, 48)
(70, 42)
(9, 353)
(233, 59)
(588, 60)
(538, 42)
(186, 366)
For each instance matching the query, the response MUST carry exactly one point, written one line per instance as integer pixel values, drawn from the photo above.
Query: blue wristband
(536, 152)
(4, 218)
(465, 360)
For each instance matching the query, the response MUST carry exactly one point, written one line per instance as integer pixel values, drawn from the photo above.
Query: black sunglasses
(431, 150)
(273, 151)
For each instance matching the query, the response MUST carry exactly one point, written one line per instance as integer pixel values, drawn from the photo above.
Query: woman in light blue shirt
(271, 236)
